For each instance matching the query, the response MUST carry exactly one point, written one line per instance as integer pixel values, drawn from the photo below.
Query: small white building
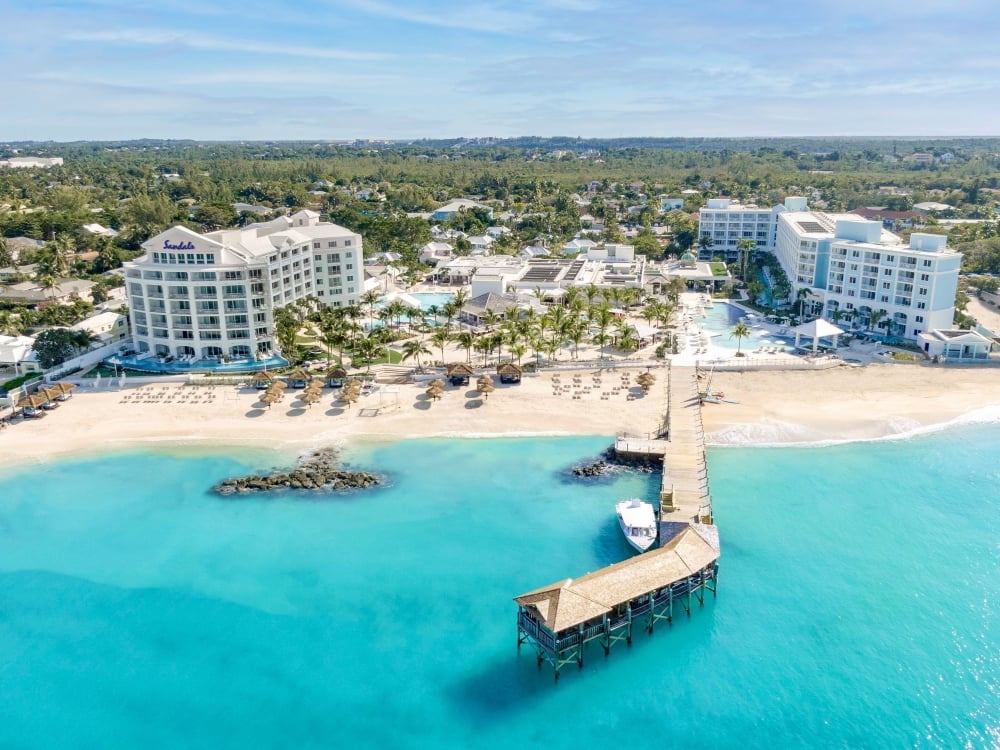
(436, 252)
(108, 326)
(15, 351)
(957, 345)
(451, 209)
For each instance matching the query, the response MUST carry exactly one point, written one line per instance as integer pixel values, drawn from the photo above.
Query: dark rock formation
(315, 472)
(610, 462)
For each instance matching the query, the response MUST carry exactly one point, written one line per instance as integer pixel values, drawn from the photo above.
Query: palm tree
(601, 316)
(740, 332)
(576, 333)
(628, 338)
(49, 284)
(466, 340)
(875, 318)
(800, 299)
(415, 348)
(371, 298)
(518, 350)
(440, 337)
(745, 247)
(9, 325)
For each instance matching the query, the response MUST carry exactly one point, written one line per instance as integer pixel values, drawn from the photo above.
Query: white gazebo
(816, 330)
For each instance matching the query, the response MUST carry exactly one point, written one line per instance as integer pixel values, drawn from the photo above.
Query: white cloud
(194, 40)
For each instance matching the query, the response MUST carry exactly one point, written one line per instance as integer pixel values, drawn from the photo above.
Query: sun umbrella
(434, 392)
(309, 397)
(436, 383)
(485, 386)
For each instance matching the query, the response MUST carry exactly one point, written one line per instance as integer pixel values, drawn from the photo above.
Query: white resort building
(853, 269)
(214, 295)
(725, 222)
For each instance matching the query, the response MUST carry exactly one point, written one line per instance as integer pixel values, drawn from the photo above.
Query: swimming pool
(152, 365)
(720, 320)
(427, 299)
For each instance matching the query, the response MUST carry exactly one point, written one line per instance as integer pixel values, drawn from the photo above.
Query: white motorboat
(638, 522)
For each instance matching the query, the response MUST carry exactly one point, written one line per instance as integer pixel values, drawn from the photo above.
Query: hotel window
(331, 243)
(927, 264)
(347, 243)
(350, 266)
(925, 277)
(922, 290)
(210, 259)
(886, 285)
(919, 319)
(333, 258)
(890, 258)
(315, 246)
(318, 258)
(888, 272)
(921, 305)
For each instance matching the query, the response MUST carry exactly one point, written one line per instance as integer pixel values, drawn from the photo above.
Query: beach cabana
(335, 377)
(30, 405)
(261, 380)
(459, 373)
(509, 373)
(816, 330)
(298, 378)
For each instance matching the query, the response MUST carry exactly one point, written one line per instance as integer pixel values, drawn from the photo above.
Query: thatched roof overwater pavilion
(560, 618)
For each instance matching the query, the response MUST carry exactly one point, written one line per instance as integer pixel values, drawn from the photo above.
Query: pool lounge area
(210, 366)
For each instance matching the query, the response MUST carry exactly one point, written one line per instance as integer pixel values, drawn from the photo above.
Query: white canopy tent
(816, 330)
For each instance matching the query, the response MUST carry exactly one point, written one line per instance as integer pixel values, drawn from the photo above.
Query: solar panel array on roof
(810, 226)
(574, 269)
(542, 274)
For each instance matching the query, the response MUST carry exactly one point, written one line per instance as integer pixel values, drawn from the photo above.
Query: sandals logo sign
(168, 245)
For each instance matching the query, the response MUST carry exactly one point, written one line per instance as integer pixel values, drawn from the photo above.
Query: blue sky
(334, 69)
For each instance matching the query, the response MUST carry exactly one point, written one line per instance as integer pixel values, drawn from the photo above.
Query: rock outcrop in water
(611, 463)
(315, 472)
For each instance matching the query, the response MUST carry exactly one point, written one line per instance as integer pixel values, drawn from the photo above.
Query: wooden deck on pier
(684, 494)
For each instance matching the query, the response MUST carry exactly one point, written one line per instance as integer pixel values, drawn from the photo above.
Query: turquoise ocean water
(859, 603)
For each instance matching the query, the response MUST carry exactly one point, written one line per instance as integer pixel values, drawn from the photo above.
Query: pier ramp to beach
(684, 493)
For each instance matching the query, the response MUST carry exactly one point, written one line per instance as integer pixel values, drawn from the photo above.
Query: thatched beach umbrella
(436, 383)
(434, 392)
(485, 386)
(34, 401)
(309, 397)
(270, 397)
(64, 389)
(349, 396)
(645, 381)
(51, 393)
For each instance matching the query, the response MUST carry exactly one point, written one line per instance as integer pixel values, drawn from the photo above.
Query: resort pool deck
(720, 320)
(208, 367)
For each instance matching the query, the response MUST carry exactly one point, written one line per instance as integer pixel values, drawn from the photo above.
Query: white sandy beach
(775, 407)
(847, 403)
(95, 420)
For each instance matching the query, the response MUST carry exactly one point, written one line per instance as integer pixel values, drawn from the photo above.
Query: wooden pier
(684, 493)
(559, 619)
